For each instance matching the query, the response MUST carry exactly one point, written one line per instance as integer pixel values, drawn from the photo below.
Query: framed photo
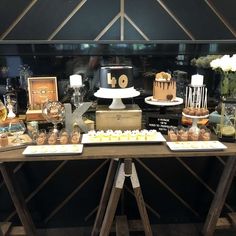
(41, 89)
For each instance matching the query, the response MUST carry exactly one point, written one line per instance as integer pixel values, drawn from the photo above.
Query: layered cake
(164, 87)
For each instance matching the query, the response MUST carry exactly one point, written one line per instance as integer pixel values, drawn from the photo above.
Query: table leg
(220, 196)
(113, 201)
(105, 196)
(18, 200)
(140, 202)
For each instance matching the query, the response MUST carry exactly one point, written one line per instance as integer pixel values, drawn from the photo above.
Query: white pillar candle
(197, 80)
(76, 81)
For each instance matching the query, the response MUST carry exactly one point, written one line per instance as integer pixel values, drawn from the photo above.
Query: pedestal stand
(116, 95)
(195, 119)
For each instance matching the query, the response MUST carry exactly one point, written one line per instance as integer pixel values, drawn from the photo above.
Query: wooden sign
(162, 123)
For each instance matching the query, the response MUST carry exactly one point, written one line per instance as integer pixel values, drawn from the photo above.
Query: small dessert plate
(66, 149)
(196, 145)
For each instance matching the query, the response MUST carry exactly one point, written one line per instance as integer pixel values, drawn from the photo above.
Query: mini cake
(164, 87)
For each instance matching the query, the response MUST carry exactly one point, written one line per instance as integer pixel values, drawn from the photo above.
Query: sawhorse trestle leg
(126, 169)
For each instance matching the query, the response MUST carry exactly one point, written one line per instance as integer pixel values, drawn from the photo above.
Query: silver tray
(158, 139)
(196, 145)
(66, 149)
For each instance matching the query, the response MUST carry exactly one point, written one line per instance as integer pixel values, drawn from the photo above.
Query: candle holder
(76, 117)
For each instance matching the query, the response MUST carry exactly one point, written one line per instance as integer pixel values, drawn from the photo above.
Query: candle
(76, 81)
(197, 80)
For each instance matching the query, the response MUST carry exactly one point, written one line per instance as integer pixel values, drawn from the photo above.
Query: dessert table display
(123, 148)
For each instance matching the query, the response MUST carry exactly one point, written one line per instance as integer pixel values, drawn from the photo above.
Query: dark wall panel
(130, 33)
(153, 20)
(43, 18)
(9, 11)
(198, 17)
(90, 20)
(113, 33)
(227, 10)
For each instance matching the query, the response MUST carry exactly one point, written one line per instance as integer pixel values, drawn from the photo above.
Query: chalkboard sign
(161, 123)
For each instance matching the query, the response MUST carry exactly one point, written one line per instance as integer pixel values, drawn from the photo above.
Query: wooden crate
(41, 89)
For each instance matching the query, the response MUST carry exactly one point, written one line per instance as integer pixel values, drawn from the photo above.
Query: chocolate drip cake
(164, 87)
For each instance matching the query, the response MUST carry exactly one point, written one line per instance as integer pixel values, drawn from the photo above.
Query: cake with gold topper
(116, 82)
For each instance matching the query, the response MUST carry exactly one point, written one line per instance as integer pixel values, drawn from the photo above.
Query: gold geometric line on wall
(122, 14)
(223, 20)
(136, 27)
(76, 9)
(193, 173)
(169, 189)
(190, 35)
(108, 26)
(9, 29)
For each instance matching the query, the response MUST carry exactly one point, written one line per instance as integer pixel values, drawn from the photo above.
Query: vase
(228, 85)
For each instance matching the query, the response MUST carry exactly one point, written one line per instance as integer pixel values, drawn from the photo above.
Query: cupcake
(151, 135)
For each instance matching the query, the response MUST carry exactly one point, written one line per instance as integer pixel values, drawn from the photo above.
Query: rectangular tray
(196, 146)
(159, 138)
(66, 149)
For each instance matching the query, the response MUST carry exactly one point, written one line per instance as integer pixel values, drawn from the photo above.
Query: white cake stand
(163, 104)
(195, 119)
(116, 95)
(150, 100)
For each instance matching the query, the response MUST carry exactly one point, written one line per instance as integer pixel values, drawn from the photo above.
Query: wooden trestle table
(110, 195)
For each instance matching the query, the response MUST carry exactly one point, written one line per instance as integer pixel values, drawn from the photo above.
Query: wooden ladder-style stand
(107, 208)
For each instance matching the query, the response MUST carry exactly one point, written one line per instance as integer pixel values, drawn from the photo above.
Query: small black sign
(161, 123)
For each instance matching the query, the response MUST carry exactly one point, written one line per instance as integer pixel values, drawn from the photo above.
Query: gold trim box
(41, 89)
(129, 118)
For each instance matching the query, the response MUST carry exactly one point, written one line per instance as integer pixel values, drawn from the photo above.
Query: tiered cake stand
(116, 95)
(195, 98)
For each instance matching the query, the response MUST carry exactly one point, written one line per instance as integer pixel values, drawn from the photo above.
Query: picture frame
(42, 89)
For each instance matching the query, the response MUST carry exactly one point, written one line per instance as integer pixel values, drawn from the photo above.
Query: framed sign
(42, 89)
(162, 123)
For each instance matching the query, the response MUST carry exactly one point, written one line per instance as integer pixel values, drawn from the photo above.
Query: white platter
(66, 149)
(196, 146)
(158, 139)
(150, 100)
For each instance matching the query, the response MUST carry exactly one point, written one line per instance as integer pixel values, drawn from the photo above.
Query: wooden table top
(117, 151)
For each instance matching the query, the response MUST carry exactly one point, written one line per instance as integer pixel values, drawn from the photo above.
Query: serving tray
(66, 149)
(196, 146)
(158, 139)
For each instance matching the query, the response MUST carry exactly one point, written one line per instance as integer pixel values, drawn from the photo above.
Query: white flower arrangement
(225, 63)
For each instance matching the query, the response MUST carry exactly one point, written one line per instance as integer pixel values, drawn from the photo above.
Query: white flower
(215, 63)
(225, 63)
(233, 63)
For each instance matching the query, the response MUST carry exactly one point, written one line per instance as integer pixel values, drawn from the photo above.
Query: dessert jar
(64, 137)
(182, 134)
(172, 134)
(52, 137)
(41, 137)
(3, 140)
(204, 134)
